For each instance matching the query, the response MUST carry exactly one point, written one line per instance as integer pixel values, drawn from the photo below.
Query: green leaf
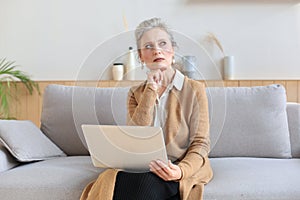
(9, 75)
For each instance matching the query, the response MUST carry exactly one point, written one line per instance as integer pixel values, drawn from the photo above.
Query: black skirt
(144, 186)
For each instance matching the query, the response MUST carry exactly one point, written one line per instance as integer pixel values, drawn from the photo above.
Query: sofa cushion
(293, 111)
(26, 142)
(249, 121)
(66, 108)
(59, 179)
(254, 178)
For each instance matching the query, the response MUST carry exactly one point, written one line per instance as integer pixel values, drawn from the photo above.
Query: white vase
(118, 71)
(189, 66)
(228, 67)
(130, 65)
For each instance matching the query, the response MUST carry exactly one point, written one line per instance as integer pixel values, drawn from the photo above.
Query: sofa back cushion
(293, 111)
(249, 121)
(66, 108)
(244, 121)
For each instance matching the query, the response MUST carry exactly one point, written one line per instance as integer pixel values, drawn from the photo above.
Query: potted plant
(9, 77)
(228, 61)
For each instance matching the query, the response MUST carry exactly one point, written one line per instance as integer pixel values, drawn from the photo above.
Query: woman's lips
(158, 59)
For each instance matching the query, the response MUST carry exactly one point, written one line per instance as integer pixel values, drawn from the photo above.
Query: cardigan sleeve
(140, 104)
(199, 133)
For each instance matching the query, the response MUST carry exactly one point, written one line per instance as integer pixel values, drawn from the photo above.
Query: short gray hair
(150, 24)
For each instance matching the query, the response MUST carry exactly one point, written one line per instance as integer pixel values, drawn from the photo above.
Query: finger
(171, 165)
(156, 166)
(165, 173)
(159, 166)
(158, 170)
(157, 73)
(161, 73)
(164, 167)
(157, 173)
(156, 78)
(152, 77)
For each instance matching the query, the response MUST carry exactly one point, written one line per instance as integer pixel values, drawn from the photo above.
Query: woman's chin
(163, 68)
(156, 66)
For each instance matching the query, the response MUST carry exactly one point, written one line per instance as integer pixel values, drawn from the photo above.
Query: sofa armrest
(6, 160)
(293, 113)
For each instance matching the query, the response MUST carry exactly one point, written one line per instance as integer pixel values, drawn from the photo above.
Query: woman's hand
(168, 172)
(155, 78)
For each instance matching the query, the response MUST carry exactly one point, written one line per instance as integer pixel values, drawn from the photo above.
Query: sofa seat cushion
(254, 178)
(60, 178)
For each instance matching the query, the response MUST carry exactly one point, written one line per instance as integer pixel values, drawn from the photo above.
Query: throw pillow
(26, 142)
(6, 160)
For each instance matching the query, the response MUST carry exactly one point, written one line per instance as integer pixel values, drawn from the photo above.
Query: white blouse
(160, 108)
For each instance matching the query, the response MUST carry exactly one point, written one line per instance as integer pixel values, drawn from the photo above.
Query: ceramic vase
(117, 71)
(228, 67)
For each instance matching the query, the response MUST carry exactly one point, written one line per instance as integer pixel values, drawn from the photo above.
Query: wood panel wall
(29, 107)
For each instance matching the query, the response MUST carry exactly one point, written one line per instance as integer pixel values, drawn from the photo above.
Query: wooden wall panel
(292, 90)
(267, 82)
(33, 106)
(244, 83)
(21, 103)
(231, 84)
(13, 105)
(298, 91)
(30, 106)
(256, 83)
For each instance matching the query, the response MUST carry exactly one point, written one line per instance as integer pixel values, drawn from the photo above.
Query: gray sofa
(255, 139)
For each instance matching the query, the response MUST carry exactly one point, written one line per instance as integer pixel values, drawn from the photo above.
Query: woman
(178, 105)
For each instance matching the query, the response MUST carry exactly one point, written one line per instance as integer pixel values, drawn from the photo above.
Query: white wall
(56, 39)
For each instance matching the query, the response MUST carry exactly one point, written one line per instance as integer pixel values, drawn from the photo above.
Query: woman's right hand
(168, 172)
(155, 77)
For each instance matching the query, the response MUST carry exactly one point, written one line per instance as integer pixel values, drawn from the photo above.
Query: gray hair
(150, 24)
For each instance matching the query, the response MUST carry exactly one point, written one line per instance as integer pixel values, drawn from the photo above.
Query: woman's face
(156, 49)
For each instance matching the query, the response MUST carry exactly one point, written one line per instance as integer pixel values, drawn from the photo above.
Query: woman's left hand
(168, 172)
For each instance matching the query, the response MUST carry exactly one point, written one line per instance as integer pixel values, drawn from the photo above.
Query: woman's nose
(157, 50)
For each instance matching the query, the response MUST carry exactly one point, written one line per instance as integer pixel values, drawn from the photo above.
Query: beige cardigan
(187, 137)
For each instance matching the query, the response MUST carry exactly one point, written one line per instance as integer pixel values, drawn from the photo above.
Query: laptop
(129, 148)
